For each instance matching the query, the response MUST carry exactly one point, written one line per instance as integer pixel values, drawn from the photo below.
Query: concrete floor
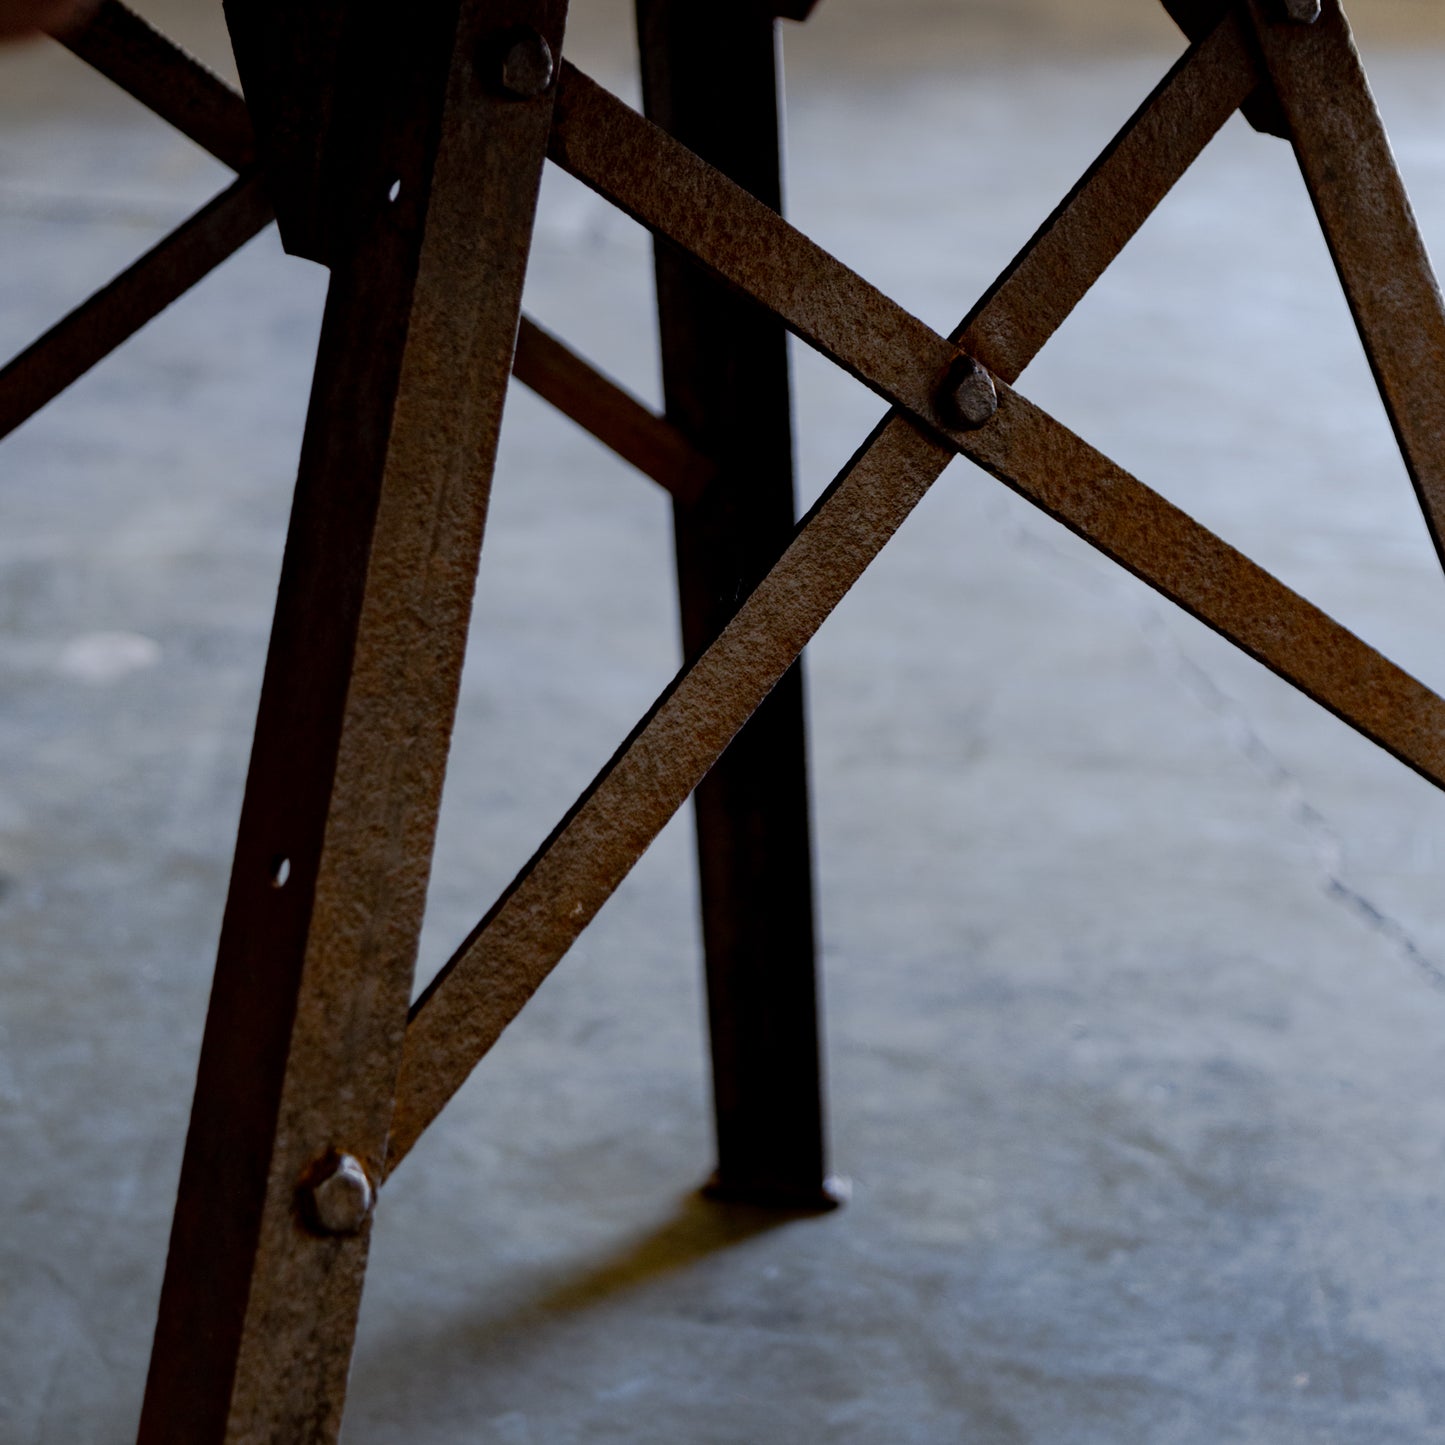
(1134, 962)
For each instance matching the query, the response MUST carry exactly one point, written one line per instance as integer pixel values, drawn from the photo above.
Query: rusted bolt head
(967, 397)
(1306, 12)
(525, 66)
(338, 1194)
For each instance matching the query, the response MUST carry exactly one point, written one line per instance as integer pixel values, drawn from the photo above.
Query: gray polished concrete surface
(1134, 960)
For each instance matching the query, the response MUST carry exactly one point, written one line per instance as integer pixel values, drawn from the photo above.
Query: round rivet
(526, 67)
(339, 1195)
(1305, 12)
(967, 397)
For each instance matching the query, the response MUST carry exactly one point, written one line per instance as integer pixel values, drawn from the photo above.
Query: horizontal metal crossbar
(127, 50)
(516, 945)
(616, 418)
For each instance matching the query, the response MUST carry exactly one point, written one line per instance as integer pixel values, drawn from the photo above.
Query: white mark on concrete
(101, 657)
(627, 1389)
(512, 1429)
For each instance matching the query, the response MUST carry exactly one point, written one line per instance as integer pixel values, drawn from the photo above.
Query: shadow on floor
(699, 1228)
(486, 1353)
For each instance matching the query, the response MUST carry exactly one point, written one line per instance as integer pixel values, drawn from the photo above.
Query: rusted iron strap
(658, 181)
(506, 958)
(616, 418)
(1197, 18)
(1367, 219)
(1112, 199)
(142, 291)
(164, 78)
(1127, 521)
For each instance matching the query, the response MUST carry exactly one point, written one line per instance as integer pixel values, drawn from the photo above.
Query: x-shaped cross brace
(309, 1042)
(603, 143)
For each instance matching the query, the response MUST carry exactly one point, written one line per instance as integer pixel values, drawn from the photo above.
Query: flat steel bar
(165, 79)
(614, 416)
(710, 79)
(1370, 226)
(1035, 293)
(318, 943)
(1196, 18)
(644, 172)
(139, 294)
(1062, 475)
(471, 1001)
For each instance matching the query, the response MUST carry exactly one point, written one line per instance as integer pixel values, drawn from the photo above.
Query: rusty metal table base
(409, 163)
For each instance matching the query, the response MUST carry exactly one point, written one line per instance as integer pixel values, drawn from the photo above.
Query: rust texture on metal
(616, 418)
(140, 293)
(406, 154)
(710, 78)
(98, 325)
(659, 182)
(552, 900)
(1370, 226)
(482, 988)
(309, 1003)
(1051, 274)
(762, 255)
(1124, 519)
(164, 78)
(1196, 18)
